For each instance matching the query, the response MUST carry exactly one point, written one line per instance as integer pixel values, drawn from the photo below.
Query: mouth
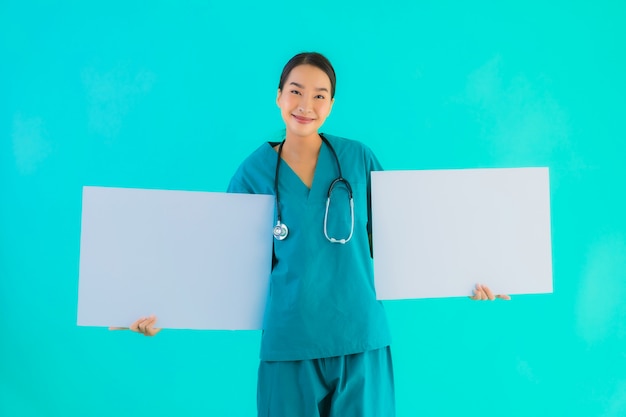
(303, 120)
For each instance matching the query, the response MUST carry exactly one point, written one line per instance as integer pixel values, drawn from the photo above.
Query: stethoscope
(281, 231)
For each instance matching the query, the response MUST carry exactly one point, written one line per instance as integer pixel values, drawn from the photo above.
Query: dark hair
(310, 58)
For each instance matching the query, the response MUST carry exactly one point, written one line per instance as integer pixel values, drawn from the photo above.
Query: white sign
(196, 260)
(438, 233)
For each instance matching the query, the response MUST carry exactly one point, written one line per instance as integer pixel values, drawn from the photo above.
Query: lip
(303, 120)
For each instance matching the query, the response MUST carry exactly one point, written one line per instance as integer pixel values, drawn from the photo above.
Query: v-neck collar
(291, 181)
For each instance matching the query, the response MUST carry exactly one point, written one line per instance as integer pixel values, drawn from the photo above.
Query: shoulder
(345, 144)
(355, 150)
(253, 172)
(260, 155)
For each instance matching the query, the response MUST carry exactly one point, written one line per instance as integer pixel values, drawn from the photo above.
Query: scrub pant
(359, 385)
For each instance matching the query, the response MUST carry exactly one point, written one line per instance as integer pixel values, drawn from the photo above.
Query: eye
(295, 92)
(321, 97)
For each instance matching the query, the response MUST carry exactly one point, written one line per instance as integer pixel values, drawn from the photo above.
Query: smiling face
(305, 101)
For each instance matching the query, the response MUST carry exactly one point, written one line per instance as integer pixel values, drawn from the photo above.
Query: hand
(482, 292)
(144, 325)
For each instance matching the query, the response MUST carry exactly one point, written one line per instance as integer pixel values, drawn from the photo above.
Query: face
(305, 100)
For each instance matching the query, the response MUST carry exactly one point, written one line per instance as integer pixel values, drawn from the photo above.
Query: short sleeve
(372, 164)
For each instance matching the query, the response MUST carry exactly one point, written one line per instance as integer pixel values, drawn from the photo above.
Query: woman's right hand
(144, 325)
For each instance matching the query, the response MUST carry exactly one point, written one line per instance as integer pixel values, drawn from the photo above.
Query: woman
(325, 344)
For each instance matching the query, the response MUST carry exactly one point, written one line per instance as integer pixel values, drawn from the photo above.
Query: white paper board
(196, 260)
(438, 233)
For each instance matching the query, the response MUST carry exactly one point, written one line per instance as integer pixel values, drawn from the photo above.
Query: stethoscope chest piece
(280, 231)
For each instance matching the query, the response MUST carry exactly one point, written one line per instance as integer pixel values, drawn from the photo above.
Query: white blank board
(196, 260)
(438, 233)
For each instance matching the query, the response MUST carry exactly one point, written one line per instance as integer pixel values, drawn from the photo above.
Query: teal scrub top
(322, 301)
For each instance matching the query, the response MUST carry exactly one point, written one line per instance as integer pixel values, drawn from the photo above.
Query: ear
(278, 97)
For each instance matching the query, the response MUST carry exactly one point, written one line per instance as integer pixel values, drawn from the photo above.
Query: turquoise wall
(174, 95)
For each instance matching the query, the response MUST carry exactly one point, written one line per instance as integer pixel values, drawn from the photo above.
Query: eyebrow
(301, 86)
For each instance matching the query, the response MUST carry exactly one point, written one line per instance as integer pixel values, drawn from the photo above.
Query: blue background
(173, 95)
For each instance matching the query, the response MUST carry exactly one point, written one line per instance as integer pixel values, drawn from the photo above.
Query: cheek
(286, 108)
(282, 104)
(323, 109)
(288, 100)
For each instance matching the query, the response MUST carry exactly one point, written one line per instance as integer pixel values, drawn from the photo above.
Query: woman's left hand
(482, 292)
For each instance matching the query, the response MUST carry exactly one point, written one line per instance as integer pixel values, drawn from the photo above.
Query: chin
(305, 131)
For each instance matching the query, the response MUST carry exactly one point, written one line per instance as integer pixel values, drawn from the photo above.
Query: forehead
(308, 75)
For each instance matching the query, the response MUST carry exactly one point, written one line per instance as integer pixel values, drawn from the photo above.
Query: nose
(305, 105)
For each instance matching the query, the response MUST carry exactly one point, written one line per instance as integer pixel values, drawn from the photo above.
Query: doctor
(325, 344)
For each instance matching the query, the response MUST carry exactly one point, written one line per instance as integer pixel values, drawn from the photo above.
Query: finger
(478, 292)
(147, 326)
(474, 295)
(488, 293)
(143, 326)
(149, 322)
(135, 327)
(150, 330)
(503, 297)
(478, 295)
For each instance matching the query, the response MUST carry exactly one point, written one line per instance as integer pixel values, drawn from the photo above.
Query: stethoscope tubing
(281, 231)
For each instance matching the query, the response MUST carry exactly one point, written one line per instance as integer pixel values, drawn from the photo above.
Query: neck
(302, 147)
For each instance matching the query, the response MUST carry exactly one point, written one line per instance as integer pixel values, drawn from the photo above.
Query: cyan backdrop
(173, 95)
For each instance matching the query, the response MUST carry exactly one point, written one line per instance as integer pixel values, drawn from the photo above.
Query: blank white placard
(438, 233)
(196, 260)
